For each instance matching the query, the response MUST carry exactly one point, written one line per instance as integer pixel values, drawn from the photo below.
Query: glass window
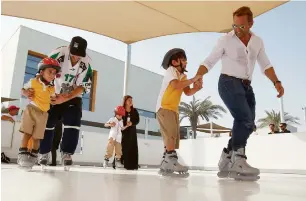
(86, 104)
(86, 95)
(31, 67)
(32, 64)
(27, 77)
(31, 71)
(34, 58)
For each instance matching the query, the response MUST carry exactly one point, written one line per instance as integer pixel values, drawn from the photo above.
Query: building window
(34, 58)
(31, 66)
(89, 99)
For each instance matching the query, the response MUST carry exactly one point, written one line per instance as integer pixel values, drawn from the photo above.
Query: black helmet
(168, 56)
(78, 46)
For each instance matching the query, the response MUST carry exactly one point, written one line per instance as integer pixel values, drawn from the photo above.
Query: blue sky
(282, 29)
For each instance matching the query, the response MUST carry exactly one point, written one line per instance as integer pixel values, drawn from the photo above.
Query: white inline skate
(105, 163)
(66, 161)
(224, 163)
(43, 160)
(118, 163)
(23, 160)
(33, 159)
(171, 167)
(240, 170)
(161, 171)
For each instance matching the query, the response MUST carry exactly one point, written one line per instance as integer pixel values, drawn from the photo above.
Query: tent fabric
(3, 99)
(214, 127)
(133, 21)
(214, 131)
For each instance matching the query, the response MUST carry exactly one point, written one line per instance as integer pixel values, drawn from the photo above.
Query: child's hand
(112, 124)
(11, 119)
(198, 84)
(52, 98)
(196, 78)
(111, 140)
(59, 99)
(129, 124)
(29, 93)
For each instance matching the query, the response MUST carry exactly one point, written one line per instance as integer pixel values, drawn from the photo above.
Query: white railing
(7, 133)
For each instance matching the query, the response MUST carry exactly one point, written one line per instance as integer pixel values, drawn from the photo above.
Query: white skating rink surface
(95, 183)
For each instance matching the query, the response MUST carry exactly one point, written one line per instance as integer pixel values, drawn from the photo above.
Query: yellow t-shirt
(169, 97)
(42, 93)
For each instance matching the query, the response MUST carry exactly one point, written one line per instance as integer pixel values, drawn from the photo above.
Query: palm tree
(275, 118)
(196, 109)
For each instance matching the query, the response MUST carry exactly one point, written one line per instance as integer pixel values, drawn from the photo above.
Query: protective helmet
(49, 63)
(169, 55)
(78, 46)
(119, 110)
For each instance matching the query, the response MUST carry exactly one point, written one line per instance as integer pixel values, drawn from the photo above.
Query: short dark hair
(271, 124)
(283, 124)
(179, 55)
(244, 11)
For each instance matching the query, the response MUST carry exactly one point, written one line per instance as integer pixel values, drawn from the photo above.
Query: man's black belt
(244, 81)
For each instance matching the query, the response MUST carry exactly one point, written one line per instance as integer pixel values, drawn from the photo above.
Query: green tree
(196, 109)
(273, 117)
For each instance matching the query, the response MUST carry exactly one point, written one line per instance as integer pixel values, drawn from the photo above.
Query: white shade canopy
(132, 21)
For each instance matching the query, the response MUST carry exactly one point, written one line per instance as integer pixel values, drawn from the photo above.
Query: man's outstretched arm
(212, 58)
(202, 70)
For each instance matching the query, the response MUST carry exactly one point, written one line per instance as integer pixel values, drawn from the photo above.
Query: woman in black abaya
(129, 135)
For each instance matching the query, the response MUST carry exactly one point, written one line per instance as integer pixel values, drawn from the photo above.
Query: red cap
(119, 110)
(13, 107)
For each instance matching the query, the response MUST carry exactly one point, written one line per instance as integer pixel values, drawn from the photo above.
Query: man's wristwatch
(277, 81)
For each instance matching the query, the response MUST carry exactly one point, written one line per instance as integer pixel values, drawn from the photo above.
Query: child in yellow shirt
(174, 84)
(39, 91)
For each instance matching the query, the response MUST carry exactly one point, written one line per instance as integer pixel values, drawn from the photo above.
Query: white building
(25, 49)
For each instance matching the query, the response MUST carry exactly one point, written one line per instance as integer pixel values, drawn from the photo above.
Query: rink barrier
(281, 153)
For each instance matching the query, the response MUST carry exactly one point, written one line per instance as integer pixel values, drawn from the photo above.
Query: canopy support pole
(126, 69)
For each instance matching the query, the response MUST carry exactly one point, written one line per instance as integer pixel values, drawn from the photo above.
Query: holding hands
(29, 93)
(112, 124)
(59, 99)
(198, 82)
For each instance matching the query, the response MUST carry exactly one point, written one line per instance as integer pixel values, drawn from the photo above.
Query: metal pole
(211, 129)
(146, 127)
(282, 114)
(126, 69)
(187, 135)
(304, 108)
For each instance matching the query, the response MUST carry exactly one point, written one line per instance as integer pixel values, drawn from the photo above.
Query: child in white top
(115, 136)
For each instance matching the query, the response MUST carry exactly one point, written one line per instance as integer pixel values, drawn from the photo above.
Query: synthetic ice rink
(95, 183)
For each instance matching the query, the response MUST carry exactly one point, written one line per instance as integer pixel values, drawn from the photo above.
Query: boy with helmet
(75, 79)
(115, 136)
(174, 84)
(34, 118)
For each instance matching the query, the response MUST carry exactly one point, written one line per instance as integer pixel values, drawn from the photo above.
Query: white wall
(271, 153)
(110, 77)
(291, 128)
(8, 58)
